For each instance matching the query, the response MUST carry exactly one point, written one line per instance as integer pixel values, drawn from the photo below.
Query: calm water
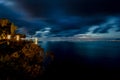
(83, 59)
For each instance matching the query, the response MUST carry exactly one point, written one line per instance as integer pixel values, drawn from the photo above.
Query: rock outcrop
(24, 58)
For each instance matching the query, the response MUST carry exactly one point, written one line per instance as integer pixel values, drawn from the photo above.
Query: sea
(83, 59)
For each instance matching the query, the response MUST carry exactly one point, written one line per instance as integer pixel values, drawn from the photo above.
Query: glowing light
(36, 40)
(17, 37)
(8, 37)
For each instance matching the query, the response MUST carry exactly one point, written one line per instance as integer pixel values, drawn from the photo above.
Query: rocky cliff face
(20, 59)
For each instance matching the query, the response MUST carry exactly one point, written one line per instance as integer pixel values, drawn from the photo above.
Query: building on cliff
(6, 28)
(8, 32)
(20, 60)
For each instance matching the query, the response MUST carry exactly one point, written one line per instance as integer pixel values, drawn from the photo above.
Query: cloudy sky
(64, 18)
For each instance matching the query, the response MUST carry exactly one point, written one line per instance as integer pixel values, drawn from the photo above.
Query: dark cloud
(63, 17)
(39, 8)
(53, 8)
(93, 7)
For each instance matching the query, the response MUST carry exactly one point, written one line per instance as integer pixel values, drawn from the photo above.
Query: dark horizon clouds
(62, 17)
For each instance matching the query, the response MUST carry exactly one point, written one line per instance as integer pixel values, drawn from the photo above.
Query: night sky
(64, 18)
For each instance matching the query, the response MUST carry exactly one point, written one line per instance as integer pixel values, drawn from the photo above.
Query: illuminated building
(7, 32)
(6, 28)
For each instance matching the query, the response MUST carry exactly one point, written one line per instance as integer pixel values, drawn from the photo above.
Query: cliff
(19, 59)
(24, 58)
